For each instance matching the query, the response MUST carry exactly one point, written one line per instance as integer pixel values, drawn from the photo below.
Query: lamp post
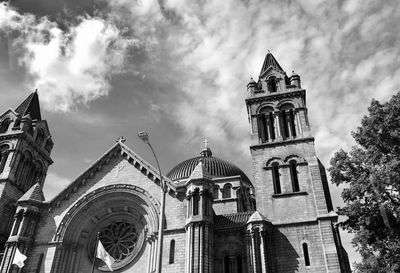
(145, 138)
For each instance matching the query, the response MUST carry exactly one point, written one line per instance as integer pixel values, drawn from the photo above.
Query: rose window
(119, 239)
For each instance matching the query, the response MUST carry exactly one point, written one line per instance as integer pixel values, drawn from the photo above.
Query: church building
(217, 219)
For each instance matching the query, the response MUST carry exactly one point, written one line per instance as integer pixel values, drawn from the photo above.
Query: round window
(122, 239)
(119, 239)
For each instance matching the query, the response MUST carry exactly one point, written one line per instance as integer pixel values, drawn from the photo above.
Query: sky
(179, 70)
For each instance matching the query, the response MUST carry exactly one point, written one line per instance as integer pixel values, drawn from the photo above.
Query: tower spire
(270, 61)
(30, 105)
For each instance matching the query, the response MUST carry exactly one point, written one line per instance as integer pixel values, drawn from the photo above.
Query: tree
(370, 174)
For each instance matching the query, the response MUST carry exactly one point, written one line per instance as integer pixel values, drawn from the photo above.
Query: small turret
(295, 80)
(251, 87)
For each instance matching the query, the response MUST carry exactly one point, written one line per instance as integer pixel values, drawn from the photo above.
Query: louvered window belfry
(266, 125)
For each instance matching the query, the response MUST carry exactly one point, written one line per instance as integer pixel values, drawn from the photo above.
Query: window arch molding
(271, 161)
(227, 191)
(216, 192)
(272, 83)
(299, 160)
(286, 103)
(266, 105)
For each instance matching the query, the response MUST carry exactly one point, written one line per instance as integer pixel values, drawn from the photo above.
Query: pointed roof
(199, 172)
(30, 106)
(257, 217)
(270, 61)
(35, 193)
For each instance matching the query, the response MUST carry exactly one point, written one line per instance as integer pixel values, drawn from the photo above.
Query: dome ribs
(214, 166)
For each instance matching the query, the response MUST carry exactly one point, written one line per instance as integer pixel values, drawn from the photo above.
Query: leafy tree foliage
(370, 173)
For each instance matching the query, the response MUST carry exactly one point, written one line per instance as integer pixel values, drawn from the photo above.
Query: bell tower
(290, 182)
(25, 147)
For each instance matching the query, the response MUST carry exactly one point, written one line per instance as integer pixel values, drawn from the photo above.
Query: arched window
(227, 192)
(172, 252)
(3, 157)
(272, 84)
(196, 201)
(306, 255)
(275, 178)
(293, 175)
(4, 125)
(17, 223)
(288, 121)
(266, 124)
(216, 192)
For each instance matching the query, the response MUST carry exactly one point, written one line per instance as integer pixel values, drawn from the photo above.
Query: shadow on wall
(285, 258)
(41, 247)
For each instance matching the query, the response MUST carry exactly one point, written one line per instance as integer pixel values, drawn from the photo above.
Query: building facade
(216, 218)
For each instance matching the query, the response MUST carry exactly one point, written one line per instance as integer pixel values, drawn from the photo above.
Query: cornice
(278, 96)
(280, 143)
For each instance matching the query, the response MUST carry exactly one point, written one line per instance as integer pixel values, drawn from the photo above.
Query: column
(278, 126)
(263, 253)
(298, 123)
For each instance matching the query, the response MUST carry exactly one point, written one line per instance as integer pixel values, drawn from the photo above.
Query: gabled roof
(270, 61)
(30, 106)
(133, 158)
(35, 193)
(232, 221)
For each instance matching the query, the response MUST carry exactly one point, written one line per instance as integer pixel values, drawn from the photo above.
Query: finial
(269, 51)
(36, 90)
(205, 141)
(206, 152)
(121, 139)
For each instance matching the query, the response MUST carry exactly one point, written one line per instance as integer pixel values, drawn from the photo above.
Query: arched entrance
(123, 215)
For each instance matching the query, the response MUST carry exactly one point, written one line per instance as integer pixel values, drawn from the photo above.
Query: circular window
(122, 239)
(119, 239)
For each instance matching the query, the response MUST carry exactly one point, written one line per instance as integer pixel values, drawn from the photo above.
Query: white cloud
(71, 66)
(202, 53)
(54, 184)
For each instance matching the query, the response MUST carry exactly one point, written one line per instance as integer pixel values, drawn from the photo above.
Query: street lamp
(145, 138)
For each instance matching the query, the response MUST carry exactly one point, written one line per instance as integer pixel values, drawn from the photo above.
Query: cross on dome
(206, 152)
(205, 141)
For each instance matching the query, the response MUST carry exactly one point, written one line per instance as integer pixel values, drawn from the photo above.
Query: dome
(213, 165)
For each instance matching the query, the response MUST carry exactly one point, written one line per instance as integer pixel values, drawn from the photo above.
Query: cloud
(68, 66)
(54, 184)
(197, 57)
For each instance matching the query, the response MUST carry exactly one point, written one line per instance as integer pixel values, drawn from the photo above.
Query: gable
(119, 165)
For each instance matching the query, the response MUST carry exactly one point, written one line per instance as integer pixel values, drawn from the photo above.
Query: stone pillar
(258, 229)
